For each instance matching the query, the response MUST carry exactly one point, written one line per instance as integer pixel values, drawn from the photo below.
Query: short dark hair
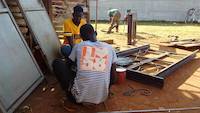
(87, 32)
(78, 9)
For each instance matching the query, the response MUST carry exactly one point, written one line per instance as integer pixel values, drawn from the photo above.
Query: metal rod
(155, 110)
(148, 60)
(4, 10)
(38, 9)
(96, 15)
(133, 50)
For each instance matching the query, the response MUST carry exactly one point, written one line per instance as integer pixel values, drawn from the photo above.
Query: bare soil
(181, 89)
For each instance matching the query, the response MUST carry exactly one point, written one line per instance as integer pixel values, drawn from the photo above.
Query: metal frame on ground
(158, 78)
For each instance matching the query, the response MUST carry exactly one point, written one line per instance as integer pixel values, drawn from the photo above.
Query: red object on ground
(121, 75)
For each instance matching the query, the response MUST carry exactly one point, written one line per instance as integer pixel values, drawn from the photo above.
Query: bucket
(121, 75)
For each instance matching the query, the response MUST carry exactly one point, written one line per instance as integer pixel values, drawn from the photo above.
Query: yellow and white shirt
(71, 29)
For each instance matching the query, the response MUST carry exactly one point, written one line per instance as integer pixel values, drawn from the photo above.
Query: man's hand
(71, 41)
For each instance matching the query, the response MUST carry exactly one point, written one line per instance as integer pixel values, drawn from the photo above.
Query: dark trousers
(64, 74)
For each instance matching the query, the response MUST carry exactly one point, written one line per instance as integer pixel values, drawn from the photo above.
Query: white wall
(168, 10)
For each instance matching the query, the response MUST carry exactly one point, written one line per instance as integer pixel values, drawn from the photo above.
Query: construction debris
(188, 43)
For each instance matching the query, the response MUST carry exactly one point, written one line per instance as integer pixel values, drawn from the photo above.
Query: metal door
(19, 72)
(41, 27)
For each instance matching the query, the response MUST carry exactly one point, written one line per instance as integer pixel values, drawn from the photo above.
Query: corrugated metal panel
(19, 73)
(42, 28)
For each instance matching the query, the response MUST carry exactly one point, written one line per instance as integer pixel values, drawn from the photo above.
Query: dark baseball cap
(78, 9)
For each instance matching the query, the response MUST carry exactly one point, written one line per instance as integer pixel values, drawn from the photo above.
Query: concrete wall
(168, 10)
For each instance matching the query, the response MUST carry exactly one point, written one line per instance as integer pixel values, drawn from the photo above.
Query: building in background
(167, 10)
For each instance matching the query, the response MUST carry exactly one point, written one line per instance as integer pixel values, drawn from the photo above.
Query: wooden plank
(191, 45)
(110, 41)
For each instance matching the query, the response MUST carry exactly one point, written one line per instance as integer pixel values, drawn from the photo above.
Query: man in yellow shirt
(72, 30)
(72, 26)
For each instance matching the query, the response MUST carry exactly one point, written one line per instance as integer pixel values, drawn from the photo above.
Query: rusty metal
(148, 60)
(131, 20)
(133, 50)
(137, 73)
(130, 27)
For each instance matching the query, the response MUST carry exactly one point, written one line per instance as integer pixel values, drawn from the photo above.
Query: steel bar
(3, 10)
(147, 61)
(156, 110)
(96, 19)
(145, 78)
(167, 62)
(38, 9)
(133, 50)
(175, 65)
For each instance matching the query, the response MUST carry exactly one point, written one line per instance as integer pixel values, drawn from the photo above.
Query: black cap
(78, 9)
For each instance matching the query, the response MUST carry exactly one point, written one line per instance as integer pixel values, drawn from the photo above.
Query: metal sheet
(31, 4)
(1, 5)
(19, 73)
(42, 29)
(45, 34)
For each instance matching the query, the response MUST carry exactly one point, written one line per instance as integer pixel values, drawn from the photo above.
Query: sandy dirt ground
(181, 89)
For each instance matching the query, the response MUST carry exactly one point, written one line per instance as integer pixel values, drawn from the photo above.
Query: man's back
(94, 60)
(112, 12)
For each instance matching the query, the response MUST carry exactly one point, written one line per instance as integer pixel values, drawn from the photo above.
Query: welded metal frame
(158, 78)
(48, 55)
(27, 92)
